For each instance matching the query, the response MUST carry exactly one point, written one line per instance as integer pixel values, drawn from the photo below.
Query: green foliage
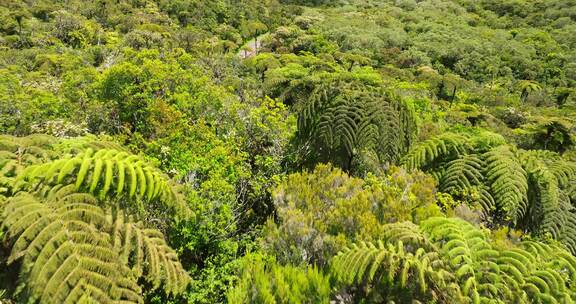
(447, 145)
(18, 152)
(526, 87)
(73, 247)
(405, 275)
(547, 134)
(320, 211)
(508, 182)
(197, 118)
(344, 117)
(264, 281)
(342, 121)
(550, 177)
(229, 163)
(450, 260)
(69, 236)
(65, 259)
(106, 173)
(529, 190)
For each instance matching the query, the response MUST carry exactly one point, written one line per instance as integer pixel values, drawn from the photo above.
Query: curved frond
(442, 148)
(107, 174)
(366, 262)
(508, 182)
(72, 248)
(145, 251)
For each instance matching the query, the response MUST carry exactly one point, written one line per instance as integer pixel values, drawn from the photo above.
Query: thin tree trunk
(453, 95)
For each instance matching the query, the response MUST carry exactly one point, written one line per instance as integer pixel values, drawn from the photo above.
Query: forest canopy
(287, 151)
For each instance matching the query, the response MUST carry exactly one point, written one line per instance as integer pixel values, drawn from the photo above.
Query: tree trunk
(453, 95)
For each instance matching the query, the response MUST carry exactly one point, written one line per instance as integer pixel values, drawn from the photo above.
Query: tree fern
(145, 251)
(107, 174)
(462, 173)
(341, 119)
(422, 272)
(463, 178)
(469, 253)
(445, 147)
(58, 239)
(61, 254)
(508, 182)
(539, 271)
(462, 260)
(70, 223)
(545, 194)
(529, 190)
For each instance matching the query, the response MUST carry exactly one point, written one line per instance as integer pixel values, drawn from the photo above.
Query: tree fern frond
(467, 250)
(344, 118)
(99, 174)
(409, 234)
(462, 254)
(63, 253)
(366, 262)
(69, 238)
(147, 253)
(508, 182)
(529, 190)
(462, 173)
(442, 148)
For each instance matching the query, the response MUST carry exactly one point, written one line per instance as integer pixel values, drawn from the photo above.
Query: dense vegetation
(287, 151)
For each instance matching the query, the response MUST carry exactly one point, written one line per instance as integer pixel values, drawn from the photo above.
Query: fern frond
(70, 240)
(366, 262)
(344, 118)
(442, 148)
(462, 254)
(462, 173)
(105, 173)
(147, 253)
(409, 234)
(508, 182)
(468, 251)
(61, 254)
(463, 179)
